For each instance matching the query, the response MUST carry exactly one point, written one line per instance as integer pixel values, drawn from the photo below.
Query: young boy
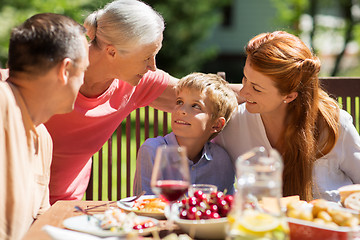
(204, 105)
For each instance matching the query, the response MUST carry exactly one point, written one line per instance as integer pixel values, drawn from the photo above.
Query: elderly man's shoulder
(7, 99)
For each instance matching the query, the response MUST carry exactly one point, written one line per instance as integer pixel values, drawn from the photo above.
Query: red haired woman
(286, 109)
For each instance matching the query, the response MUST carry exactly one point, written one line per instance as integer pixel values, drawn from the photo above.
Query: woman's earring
(285, 101)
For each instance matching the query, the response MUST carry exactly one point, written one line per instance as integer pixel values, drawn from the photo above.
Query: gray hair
(124, 23)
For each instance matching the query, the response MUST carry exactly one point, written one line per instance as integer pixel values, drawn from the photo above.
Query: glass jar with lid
(256, 212)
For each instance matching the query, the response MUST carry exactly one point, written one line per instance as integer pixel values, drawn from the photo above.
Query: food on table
(254, 224)
(321, 212)
(201, 206)
(347, 190)
(270, 204)
(174, 236)
(116, 220)
(144, 224)
(154, 205)
(353, 201)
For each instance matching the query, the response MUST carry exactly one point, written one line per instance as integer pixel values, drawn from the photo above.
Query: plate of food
(113, 222)
(321, 219)
(147, 205)
(350, 196)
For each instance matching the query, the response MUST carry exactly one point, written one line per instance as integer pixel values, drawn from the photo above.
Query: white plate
(90, 225)
(129, 207)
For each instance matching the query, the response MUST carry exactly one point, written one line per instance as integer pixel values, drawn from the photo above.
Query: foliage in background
(187, 24)
(14, 12)
(289, 13)
(348, 11)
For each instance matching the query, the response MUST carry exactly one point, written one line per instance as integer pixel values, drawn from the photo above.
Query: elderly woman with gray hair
(125, 37)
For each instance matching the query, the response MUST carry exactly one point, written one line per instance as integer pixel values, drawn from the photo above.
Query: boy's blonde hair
(222, 97)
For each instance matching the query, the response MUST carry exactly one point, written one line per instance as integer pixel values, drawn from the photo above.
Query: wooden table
(65, 209)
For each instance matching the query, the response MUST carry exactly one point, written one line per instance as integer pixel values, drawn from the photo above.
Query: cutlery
(135, 198)
(125, 202)
(80, 209)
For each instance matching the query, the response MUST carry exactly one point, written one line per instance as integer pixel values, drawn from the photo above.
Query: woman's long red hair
(311, 124)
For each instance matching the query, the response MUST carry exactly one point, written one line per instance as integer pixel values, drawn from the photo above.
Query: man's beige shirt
(25, 158)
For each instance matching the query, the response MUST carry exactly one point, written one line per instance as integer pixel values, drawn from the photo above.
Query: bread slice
(353, 201)
(345, 191)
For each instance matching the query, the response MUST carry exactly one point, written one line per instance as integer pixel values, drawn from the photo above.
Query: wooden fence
(114, 165)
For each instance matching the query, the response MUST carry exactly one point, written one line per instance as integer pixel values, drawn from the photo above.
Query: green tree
(187, 24)
(290, 12)
(14, 12)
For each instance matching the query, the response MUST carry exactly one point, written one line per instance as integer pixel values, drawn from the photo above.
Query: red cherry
(191, 212)
(138, 227)
(207, 214)
(215, 215)
(229, 199)
(219, 195)
(222, 203)
(203, 198)
(148, 224)
(216, 196)
(224, 212)
(198, 214)
(214, 208)
(202, 205)
(184, 214)
(198, 193)
(193, 201)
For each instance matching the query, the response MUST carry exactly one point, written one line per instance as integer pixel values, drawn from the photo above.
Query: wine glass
(170, 176)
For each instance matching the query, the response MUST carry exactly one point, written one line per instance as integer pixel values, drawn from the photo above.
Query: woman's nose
(152, 64)
(244, 90)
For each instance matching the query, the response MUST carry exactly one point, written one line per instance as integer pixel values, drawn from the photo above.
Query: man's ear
(218, 125)
(64, 70)
(291, 97)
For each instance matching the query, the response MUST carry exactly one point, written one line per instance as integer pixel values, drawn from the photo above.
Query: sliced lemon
(258, 222)
(231, 218)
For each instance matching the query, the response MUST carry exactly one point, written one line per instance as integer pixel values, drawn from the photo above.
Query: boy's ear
(64, 70)
(218, 124)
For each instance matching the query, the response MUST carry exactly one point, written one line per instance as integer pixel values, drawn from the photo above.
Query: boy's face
(192, 115)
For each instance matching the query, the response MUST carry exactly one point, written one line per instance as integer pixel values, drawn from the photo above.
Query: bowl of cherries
(204, 216)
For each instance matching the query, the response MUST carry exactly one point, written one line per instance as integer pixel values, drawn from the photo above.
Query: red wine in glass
(170, 176)
(172, 190)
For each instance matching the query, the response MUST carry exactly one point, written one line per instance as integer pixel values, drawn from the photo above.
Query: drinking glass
(206, 189)
(259, 181)
(170, 176)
